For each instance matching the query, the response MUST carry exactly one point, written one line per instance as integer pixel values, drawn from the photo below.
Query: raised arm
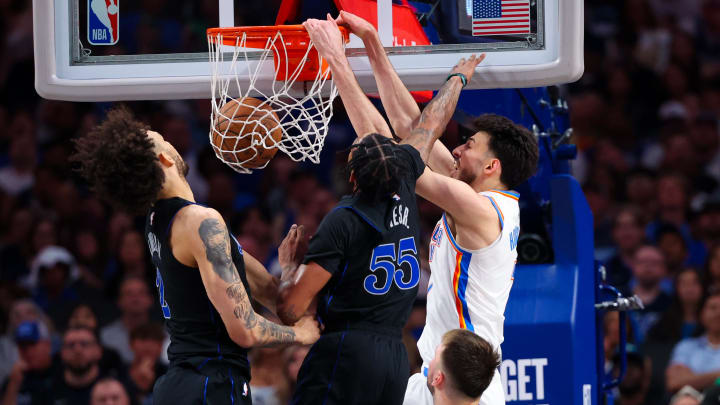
(400, 107)
(474, 213)
(364, 117)
(437, 114)
(208, 242)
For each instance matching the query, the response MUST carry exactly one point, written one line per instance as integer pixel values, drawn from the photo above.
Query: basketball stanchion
(249, 125)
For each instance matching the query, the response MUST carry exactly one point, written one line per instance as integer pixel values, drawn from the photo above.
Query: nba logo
(102, 24)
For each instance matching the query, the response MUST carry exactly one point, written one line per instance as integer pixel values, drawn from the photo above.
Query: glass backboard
(95, 50)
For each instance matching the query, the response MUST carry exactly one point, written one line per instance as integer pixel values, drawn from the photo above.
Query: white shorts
(417, 392)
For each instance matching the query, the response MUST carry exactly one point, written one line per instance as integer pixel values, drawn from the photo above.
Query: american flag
(500, 17)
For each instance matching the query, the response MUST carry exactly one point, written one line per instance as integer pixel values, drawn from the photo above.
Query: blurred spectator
(52, 277)
(671, 243)
(31, 379)
(628, 236)
(679, 322)
(18, 176)
(146, 342)
(22, 310)
(269, 383)
(90, 258)
(109, 391)
(83, 316)
(80, 356)
(633, 387)
(649, 272)
(712, 270)
(134, 302)
(15, 252)
(707, 224)
(673, 206)
(696, 361)
(132, 259)
(640, 187)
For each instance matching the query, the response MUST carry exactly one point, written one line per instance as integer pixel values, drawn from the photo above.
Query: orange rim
(295, 36)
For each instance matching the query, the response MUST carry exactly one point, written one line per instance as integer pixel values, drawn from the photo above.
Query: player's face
(471, 157)
(162, 145)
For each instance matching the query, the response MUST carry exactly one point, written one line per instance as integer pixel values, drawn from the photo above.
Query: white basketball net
(302, 120)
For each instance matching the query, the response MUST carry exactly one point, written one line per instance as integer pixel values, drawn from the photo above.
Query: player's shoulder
(192, 216)
(341, 213)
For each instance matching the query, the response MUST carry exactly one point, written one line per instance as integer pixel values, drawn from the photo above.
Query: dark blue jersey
(197, 332)
(371, 249)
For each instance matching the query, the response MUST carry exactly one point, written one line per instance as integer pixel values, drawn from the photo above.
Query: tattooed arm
(207, 239)
(438, 112)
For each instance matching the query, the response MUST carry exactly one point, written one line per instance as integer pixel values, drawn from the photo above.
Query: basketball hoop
(303, 119)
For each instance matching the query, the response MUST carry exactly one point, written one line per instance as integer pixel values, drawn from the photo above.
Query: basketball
(246, 133)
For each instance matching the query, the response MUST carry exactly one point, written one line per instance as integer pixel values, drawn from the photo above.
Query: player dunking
(203, 277)
(473, 246)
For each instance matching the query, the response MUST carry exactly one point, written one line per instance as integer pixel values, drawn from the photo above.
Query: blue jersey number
(161, 289)
(384, 258)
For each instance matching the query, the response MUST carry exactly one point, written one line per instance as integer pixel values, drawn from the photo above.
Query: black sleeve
(328, 245)
(415, 162)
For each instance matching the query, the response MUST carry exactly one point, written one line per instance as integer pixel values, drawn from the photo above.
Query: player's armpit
(297, 294)
(263, 285)
(465, 205)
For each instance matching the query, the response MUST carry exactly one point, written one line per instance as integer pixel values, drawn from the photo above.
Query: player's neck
(176, 187)
(487, 183)
(441, 398)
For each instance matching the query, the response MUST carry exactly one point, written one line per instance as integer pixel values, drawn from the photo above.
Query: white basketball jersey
(468, 289)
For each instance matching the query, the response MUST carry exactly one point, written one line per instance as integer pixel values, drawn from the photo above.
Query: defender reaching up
(472, 249)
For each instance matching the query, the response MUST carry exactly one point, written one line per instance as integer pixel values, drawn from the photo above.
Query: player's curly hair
(377, 167)
(513, 145)
(118, 159)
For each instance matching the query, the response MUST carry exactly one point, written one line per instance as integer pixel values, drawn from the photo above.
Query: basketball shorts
(354, 367)
(213, 384)
(418, 393)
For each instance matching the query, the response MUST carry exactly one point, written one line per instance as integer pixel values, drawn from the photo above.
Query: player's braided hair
(377, 167)
(118, 159)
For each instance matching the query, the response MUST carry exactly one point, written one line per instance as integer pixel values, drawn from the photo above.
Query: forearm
(399, 104)
(364, 117)
(298, 289)
(288, 310)
(263, 285)
(435, 118)
(258, 331)
(698, 381)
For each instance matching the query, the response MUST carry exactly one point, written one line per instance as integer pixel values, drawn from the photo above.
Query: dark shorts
(354, 367)
(212, 384)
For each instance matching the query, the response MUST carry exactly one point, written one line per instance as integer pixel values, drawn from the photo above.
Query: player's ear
(438, 379)
(165, 159)
(492, 166)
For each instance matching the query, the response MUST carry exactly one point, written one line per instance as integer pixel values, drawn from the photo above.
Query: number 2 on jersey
(161, 290)
(384, 259)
